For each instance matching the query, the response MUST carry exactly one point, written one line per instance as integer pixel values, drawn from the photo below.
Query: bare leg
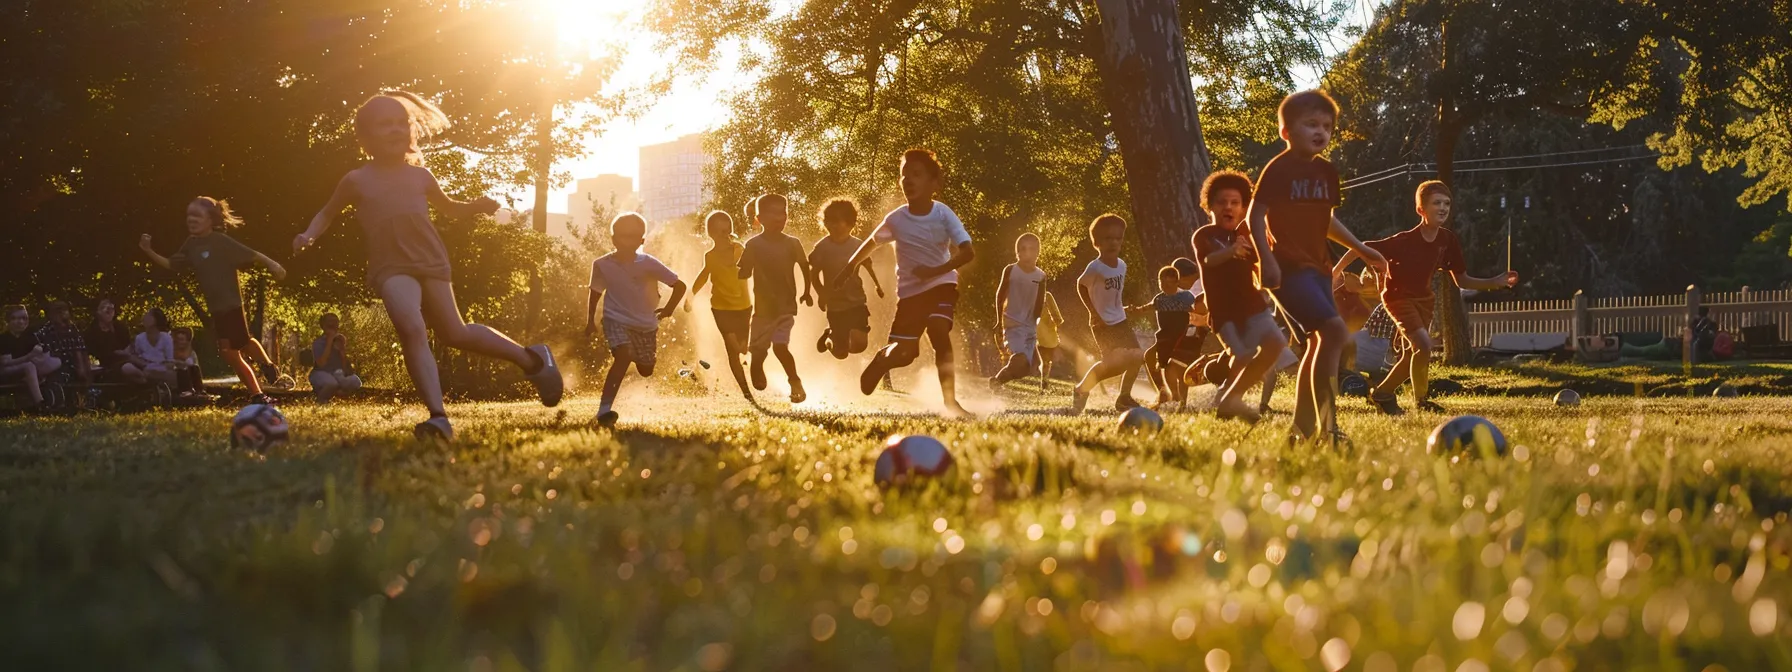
(256, 353)
(733, 345)
(1306, 410)
(1045, 357)
(782, 352)
(1269, 391)
(243, 371)
(1396, 375)
(620, 359)
(132, 374)
(403, 297)
(1130, 378)
(443, 316)
(1246, 371)
(858, 342)
(27, 375)
(1331, 339)
(758, 367)
(939, 335)
(899, 353)
(1156, 375)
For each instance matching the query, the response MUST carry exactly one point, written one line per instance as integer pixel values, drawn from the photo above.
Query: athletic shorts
(1242, 336)
(1410, 315)
(643, 344)
(1021, 340)
(932, 309)
(1113, 337)
(1306, 296)
(1187, 349)
(232, 329)
(736, 323)
(845, 320)
(769, 330)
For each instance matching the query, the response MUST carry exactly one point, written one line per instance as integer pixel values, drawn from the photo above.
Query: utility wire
(1410, 169)
(1370, 178)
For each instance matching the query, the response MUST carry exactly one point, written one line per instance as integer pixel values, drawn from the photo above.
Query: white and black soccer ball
(259, 427)
(1141, 419)
(906, 459)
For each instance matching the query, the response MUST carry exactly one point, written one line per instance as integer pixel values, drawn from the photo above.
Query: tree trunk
(1452, 314)
(1145, 82)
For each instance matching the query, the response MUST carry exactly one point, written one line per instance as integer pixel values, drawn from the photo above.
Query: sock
(437, 414)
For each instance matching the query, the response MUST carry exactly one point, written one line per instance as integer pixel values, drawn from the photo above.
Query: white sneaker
(547, 381)
(434, 429)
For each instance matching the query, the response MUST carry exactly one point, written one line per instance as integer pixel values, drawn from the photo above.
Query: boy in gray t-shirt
(768, 260)
(842, 294)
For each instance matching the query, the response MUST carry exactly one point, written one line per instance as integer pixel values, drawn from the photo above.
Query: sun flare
(593, 22)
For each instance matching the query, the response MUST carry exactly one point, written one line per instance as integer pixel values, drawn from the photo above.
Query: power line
(1412, 168)
(1407, 168)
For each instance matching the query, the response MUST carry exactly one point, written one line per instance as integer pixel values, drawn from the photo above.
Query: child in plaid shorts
(631, 312)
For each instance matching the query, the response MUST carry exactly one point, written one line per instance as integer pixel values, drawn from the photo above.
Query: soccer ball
(1726, 391)
(258, 427)
(1353, 384)
(1466, 433)
(1567, 398)
(1139, 418)
(907, 458)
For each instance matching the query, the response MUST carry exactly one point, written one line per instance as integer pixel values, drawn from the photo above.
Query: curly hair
(1225, 180)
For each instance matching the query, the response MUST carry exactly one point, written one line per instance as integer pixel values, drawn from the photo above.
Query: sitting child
(331, 372)
(189, 379)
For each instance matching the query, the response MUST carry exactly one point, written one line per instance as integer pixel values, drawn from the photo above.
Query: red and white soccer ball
(910, 458)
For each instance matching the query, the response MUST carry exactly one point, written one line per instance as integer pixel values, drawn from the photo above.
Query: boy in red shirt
(1413, 256)
(1293, 208)
(1235, 306)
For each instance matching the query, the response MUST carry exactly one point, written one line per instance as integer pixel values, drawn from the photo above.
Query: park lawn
(1625, 378)
(702, 535)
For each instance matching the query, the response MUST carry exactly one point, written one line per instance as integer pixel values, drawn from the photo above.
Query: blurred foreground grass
(702, 535)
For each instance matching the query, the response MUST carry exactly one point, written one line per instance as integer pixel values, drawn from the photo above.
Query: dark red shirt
(1230, 287)
(1297, 196)
(1412, 261)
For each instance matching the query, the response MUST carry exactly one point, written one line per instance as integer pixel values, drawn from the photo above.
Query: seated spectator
(152, 352)
(109, 342)
(189, 378)
(64, 342)
(22, 358)
(1704, 333)
(330, 369)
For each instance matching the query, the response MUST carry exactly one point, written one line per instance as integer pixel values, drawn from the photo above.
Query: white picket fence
(1667, 314)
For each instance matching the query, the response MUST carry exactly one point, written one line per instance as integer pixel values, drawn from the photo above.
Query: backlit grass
(703, 535)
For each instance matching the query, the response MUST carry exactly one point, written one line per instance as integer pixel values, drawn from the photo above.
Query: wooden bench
(1763, 342)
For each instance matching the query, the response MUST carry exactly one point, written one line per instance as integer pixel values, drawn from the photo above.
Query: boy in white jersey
(931, 244)
(1101, 288)
(1019, 301)
(632, 315)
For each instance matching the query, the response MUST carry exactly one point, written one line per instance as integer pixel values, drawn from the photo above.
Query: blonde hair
(218, 210)
(1108, 219)
(427, 121)
(1427, 188)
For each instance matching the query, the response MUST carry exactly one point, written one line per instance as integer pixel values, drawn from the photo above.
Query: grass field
(1627, 534)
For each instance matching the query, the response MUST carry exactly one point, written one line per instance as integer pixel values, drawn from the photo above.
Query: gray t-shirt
(215, 259)
(769, 260)
(840, 290)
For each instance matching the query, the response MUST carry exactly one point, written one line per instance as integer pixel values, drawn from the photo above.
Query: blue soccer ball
(259, 427)
(1470, 433)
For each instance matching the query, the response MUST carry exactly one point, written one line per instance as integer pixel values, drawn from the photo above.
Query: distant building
(526, 219)
(672, 184)
(615, 193)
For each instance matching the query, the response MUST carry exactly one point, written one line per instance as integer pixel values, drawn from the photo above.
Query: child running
(632, 312)
(729, 303)
(1175, 307)
(1101, 287)
(768, 260)
(215, 258)
(1019, 303)
(1189, 347)
(407, 265)
(931, 244)
(842, 293)
(1414, 255)
(1293, 206)
(1235, 307)
(1049, 321)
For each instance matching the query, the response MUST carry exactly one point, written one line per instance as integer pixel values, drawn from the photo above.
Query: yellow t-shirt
(728, 292)
(1049, 319)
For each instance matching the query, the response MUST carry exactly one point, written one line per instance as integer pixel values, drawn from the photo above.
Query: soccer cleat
(1387, 405)
(547, 380)
(608, 418)
(434, 429)
(826, 342)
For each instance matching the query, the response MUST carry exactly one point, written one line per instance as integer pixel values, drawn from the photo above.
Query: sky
(693, 105)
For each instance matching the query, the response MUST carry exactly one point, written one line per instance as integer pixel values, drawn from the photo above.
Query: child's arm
(1466, 281)
(1082, 292)
(1344, 262)
(484, 205)
(961, 255)
(1344, 237)
(143, 244)
(678, 290)
(591, 311)
(1002, 298)
(274, 267)
(702, 277)
(863, 254)
(808, 272)
(875, 283)
(339, 199)
(1268, 271)
(1051, 310)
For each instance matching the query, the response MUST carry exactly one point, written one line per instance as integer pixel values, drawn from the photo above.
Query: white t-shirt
(631, 288)
(922, 240)
(1106, 284)
(1023, 295)
(161, 352)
